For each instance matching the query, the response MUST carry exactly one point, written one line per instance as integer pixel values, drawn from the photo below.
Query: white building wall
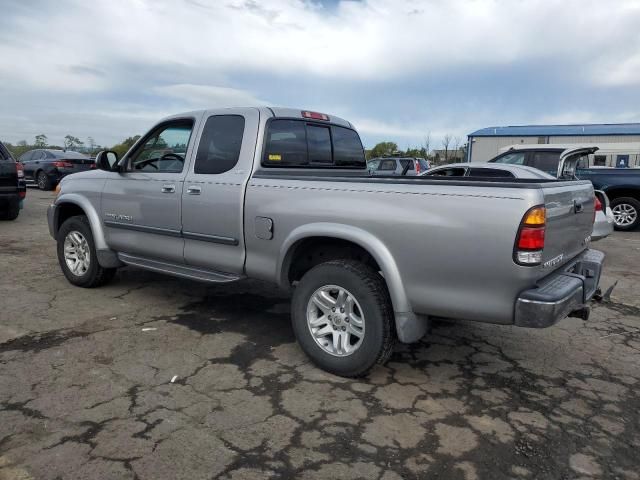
(485, 148)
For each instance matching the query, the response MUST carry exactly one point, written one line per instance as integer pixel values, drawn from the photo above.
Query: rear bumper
(562, 292)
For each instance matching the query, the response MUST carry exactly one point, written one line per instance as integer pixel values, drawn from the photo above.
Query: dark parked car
(397, 166)
(622, 185)
(12, 186)
(46, 167)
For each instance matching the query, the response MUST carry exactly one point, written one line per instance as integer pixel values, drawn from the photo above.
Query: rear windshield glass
(296, 143)
(67, 154)
(319, 142)
(347, 148)
(545, 161)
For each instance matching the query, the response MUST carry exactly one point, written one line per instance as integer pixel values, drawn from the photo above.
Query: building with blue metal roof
(486, 143)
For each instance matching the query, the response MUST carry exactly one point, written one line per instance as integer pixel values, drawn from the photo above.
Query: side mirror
(107, 160)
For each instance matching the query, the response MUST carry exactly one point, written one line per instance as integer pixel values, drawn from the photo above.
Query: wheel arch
(623, 191)
(330, 233)
(68, 205)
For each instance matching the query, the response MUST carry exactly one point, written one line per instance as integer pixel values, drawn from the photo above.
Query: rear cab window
(300, 143)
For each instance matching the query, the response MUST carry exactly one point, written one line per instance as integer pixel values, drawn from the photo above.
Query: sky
(399, 70)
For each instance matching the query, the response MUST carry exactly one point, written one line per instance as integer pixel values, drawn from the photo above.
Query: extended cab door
(141, 204)
(213, 197)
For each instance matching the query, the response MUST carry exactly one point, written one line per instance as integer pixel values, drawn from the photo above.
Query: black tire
(95, 275)
(630, 203)
(43, 181)
(12, 211)
(370, 291)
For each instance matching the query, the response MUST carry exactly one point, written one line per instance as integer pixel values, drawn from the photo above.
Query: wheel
(626, 213)
(77, 254)
(342, 317)
(12, 211)
(43, 181)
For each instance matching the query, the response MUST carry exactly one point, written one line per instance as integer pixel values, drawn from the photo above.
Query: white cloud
(208, 96)
(110, 58)
(361, 40)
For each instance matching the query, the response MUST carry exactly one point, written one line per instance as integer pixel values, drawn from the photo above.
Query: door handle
(194, 190)
(168, 189)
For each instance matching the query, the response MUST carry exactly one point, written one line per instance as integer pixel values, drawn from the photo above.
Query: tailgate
(570, 209)
(8, 175)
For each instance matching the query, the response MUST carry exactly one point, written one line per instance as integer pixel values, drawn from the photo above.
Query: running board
(183, 271)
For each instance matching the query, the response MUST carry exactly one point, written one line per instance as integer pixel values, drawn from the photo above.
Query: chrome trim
(143, 228)
(174, 233)
(210, 238)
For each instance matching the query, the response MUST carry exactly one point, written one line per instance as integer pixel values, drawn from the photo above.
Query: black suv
(46, 167)
(12, 186)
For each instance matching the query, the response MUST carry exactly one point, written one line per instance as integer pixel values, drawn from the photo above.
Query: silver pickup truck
(284, 195)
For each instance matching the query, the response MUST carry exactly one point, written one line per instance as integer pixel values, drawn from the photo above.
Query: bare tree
(446, 141)
(427, 143)
(456, 146)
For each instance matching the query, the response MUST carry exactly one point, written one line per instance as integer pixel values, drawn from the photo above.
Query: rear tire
(626, 212)
(77, 254)
(43, 181)
(366, 296)
(12, 211)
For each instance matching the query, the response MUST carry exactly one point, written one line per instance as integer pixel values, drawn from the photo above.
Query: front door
(141, 205)
(213, 196)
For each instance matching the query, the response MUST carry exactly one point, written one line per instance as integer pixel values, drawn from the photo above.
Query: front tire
(626, 213)
(342, 317)
(77, 254)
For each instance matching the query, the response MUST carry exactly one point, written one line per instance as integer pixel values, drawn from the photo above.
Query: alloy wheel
(335, 320)
(77, 254)
(624, 214)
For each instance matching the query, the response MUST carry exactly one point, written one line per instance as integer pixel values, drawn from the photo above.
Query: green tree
(122, 147)
(71, 142)
(41, 141)
(383, 149)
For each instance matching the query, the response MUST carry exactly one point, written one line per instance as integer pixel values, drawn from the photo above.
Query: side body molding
(410, 327)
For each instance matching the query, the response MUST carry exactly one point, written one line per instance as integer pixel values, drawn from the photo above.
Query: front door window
(164, 150)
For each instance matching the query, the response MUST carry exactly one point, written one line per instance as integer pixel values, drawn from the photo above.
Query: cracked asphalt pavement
(86, 388)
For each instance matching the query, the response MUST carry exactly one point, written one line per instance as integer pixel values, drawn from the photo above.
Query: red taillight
(315, 116)
(530, 239)
(598, 205)
(20, 170)
(62, 164)
(22, 194)
(417, 167)
(596, 208)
